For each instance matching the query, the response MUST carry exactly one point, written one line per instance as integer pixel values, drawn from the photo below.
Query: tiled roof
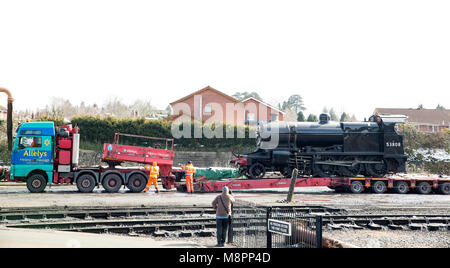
(203, 90)
(426, 116)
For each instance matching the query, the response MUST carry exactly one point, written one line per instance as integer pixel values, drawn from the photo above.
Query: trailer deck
(399, 183)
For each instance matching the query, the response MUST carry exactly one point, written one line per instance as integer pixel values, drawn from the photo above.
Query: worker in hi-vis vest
(189, 171)
(153, 177)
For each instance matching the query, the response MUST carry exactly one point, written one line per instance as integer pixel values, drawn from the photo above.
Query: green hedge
(435, 167)
(95, 131)
(414, 139)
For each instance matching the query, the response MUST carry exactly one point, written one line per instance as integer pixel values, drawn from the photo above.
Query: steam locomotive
(371, 148)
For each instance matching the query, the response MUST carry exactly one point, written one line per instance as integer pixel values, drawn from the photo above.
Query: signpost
(280, 227)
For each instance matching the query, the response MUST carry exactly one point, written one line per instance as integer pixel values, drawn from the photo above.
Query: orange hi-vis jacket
(154, 171)
(189, 170)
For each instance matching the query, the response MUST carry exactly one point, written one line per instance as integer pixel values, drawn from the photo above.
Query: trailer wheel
(86, 183)
(112, 183)
(444, 188)
(401, 187)
(36, 183)
(423, 188)
(136, 183)
(356, 187)
(379, 187)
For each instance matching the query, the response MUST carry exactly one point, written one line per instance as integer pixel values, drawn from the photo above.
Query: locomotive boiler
(325, 149)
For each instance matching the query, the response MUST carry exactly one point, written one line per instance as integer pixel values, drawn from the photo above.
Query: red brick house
(262, 111)
(426, 120)
(210, 105)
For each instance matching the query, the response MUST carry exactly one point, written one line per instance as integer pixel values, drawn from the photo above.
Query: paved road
(22, 238)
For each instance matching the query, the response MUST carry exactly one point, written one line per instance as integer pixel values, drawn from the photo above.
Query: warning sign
(280, 227)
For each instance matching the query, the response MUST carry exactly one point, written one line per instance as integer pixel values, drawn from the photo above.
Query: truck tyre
(401, 187)
(444, 188)
(86, 183)
(356, 187)
(136, 183)
(423, 188)
(112, 183)
(36, 183)
(379, 187)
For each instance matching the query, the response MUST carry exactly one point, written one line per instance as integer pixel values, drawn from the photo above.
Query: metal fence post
(269, 234)
(319, 231)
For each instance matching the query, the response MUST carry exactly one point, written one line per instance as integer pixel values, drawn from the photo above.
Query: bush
(95, 130)
(59, 121)
(433, 167)
(414, 139)
(5, 155)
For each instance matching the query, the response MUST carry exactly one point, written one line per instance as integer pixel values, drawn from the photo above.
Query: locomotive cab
(392, 141)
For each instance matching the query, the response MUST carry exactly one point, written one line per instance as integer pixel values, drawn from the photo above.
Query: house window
(274, 117)
(208, 109)
(250, 116)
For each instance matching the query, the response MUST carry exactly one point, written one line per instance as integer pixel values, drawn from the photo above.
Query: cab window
(29, 142)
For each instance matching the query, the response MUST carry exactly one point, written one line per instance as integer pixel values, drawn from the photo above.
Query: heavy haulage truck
(43, 155)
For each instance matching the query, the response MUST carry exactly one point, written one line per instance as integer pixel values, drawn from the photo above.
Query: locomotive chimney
(324, 118)
(9, 117)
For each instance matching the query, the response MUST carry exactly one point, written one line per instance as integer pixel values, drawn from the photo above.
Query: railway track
(199, 221)
(48, 213)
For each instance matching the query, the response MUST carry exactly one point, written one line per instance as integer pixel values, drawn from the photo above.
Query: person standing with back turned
(222, 204)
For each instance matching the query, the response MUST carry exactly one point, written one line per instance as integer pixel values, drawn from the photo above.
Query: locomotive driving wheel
(377, 170)
(325, 170)
(353, 169)
(257, 171)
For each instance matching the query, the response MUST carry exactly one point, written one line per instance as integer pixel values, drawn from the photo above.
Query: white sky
(350, 55)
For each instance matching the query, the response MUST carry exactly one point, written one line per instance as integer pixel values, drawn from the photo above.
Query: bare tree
(142, 107)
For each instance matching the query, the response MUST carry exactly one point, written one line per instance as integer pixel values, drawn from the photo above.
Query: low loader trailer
(402, 184)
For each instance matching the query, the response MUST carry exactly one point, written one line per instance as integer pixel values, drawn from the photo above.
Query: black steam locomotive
(372, 148)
